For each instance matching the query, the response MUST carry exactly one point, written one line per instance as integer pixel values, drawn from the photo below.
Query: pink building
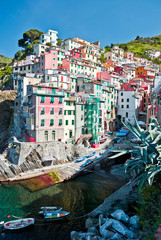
(49, 60)
(129, 55)
(76, 53)
(46, 114)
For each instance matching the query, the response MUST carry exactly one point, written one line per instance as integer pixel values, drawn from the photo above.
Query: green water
(78, 197)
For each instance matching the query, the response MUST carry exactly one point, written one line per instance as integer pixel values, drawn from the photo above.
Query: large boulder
(116, 237)
(102, 220)
(74, 235)
(119, 227)
(93, 230)
(107, 234)
(88, 223)
(120, 215)
(104, 228)
(134, 222)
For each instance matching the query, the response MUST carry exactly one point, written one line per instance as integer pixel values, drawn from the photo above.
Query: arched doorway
(53, 135)
(46, 136)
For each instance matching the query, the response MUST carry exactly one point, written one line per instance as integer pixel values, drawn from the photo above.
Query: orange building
(109, 65)
(143, 70)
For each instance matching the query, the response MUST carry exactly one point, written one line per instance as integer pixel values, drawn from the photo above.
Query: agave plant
(146, 157)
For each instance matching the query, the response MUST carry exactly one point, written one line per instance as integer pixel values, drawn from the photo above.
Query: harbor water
(78, 196)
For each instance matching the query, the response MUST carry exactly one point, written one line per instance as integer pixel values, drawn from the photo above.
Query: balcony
(49, 93)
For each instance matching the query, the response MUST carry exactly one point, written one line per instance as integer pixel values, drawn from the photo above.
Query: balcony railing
(45, 92)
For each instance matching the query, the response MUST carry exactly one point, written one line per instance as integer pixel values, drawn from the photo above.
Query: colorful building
(45, 121)
(49, 37)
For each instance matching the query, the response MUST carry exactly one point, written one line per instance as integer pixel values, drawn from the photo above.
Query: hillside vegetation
(139, 46)
(4, 60)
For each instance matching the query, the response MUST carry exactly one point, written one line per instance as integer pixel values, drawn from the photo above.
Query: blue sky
(110, 21)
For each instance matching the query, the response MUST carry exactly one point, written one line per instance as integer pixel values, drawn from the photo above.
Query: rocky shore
(22, 160)
(109, 220)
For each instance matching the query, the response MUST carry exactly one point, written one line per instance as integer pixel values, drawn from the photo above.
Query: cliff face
(6, 114)
(21, 157)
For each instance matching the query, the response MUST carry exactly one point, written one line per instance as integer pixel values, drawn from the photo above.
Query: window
(127, 114)
(127, 99)
(53, 135)
(74, 111)
(69, 112)
(39, 88)
(60, 111)
(53, 90)
(42, 122)
(51, 122)
(122, 100)
(122, 94)
(83, 86)
(51, 110)
(42, 99)
(60, 99)
(60, 122)
(127, 106)
(53, 58)
(42, 111)
(52, 100)
(66, 122)
(122, 106)
(68, 95)
(46, 135)
(81, 117)
(81, 107)
(70, 133)
(58, 58)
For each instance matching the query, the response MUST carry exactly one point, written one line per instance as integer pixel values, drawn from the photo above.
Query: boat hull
(55, 215)
(19, 224)
(49, 209)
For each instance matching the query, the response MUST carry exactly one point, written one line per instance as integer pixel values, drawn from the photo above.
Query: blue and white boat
(80, 159)
(97, 157)
(55, 215)
(121, 134)
(89, 161)
(90, 154)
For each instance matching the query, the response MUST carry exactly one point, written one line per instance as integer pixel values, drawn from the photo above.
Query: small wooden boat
(55, 215)
(19, 223)
(49, 209)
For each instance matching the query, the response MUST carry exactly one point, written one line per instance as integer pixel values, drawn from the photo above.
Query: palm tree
(146, 157)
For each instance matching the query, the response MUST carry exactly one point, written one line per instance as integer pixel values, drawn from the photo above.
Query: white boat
(55, 215)
(19, 223)
(49, 209)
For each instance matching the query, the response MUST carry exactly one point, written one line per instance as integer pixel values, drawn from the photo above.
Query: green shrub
(149, 210)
